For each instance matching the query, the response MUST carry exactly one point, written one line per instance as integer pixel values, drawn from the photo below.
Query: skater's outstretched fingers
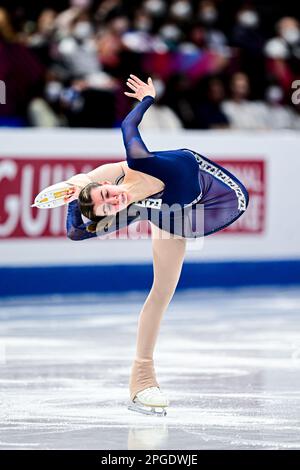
(140, 88)
(137, 80)
(72, 194)
(134, 83)
(132, 86)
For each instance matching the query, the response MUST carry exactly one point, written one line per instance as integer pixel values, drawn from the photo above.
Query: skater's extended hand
(140, 88)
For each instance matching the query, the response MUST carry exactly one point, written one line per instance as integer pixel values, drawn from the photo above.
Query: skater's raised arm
(145, 93)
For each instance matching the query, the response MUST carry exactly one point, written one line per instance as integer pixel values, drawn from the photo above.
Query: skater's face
(108, 199)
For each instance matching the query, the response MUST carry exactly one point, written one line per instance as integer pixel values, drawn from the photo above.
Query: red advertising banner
(21, 179)
(252, 174)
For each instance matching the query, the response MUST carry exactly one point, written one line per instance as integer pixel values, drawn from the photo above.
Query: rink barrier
(21, 281)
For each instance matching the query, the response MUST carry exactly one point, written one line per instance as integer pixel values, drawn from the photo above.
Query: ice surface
(228, 360)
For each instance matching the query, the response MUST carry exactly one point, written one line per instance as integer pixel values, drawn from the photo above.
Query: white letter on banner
(8, 169)
(33, 226)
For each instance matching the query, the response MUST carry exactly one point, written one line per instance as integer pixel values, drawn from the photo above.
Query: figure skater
(149, 185)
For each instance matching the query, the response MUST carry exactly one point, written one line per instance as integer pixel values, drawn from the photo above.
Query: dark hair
(86, 206)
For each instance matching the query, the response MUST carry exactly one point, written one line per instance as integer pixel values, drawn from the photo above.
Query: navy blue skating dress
(199, 197)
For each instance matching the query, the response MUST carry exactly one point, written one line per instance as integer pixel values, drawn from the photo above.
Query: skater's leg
(168, 256)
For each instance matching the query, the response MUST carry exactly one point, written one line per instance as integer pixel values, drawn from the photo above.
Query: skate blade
(53, 196)
(148, 410)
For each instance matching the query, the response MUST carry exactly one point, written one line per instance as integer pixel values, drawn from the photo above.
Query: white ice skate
(53, 196)
(150, 401)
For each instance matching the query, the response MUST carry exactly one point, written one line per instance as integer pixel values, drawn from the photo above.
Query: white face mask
(80, 3)
(276, 49)
(248, 18)
(209, 15)
(274, 94)
(171, 32)
(291, 35)
(53, 90)
(155, 7)
(181, 9)
(82, 30)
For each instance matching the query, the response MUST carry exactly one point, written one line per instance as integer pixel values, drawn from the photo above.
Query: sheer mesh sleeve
(135, 147)
(76, 228)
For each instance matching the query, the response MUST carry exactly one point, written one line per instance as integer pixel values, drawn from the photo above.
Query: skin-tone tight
(168, 256)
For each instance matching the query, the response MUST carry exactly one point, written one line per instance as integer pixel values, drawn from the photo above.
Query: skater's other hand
(72, 194)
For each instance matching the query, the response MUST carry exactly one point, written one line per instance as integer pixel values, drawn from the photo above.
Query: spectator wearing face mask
(77, 51)
(173, 23)
(283, 52)
(88, 99)
(156, 8)
(21, 71)
(180, 97)
(88, 48)
(140, 38)
(160, 117)
(64, 20)
(249, 42)
(246, 33)
(142, 21)
(80, 53)
(240, 111)
(209, 111)
(280, 116)
(110, 44)
(181, 11)
(208, 16)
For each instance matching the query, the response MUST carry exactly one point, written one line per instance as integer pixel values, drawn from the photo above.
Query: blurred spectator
(215, 38)
(283, 52)
(242, 113)
(40, 40)
(21, 72)
(179, 95)
(77, 50)
(156, 8)
(159, 116)
(110, 45)
(280, 116)
(207, 12)
(249, 41)
(181, 10)
(246, 34)
(74, 62)
(65, 18)
(209, 112)
(40, 114)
